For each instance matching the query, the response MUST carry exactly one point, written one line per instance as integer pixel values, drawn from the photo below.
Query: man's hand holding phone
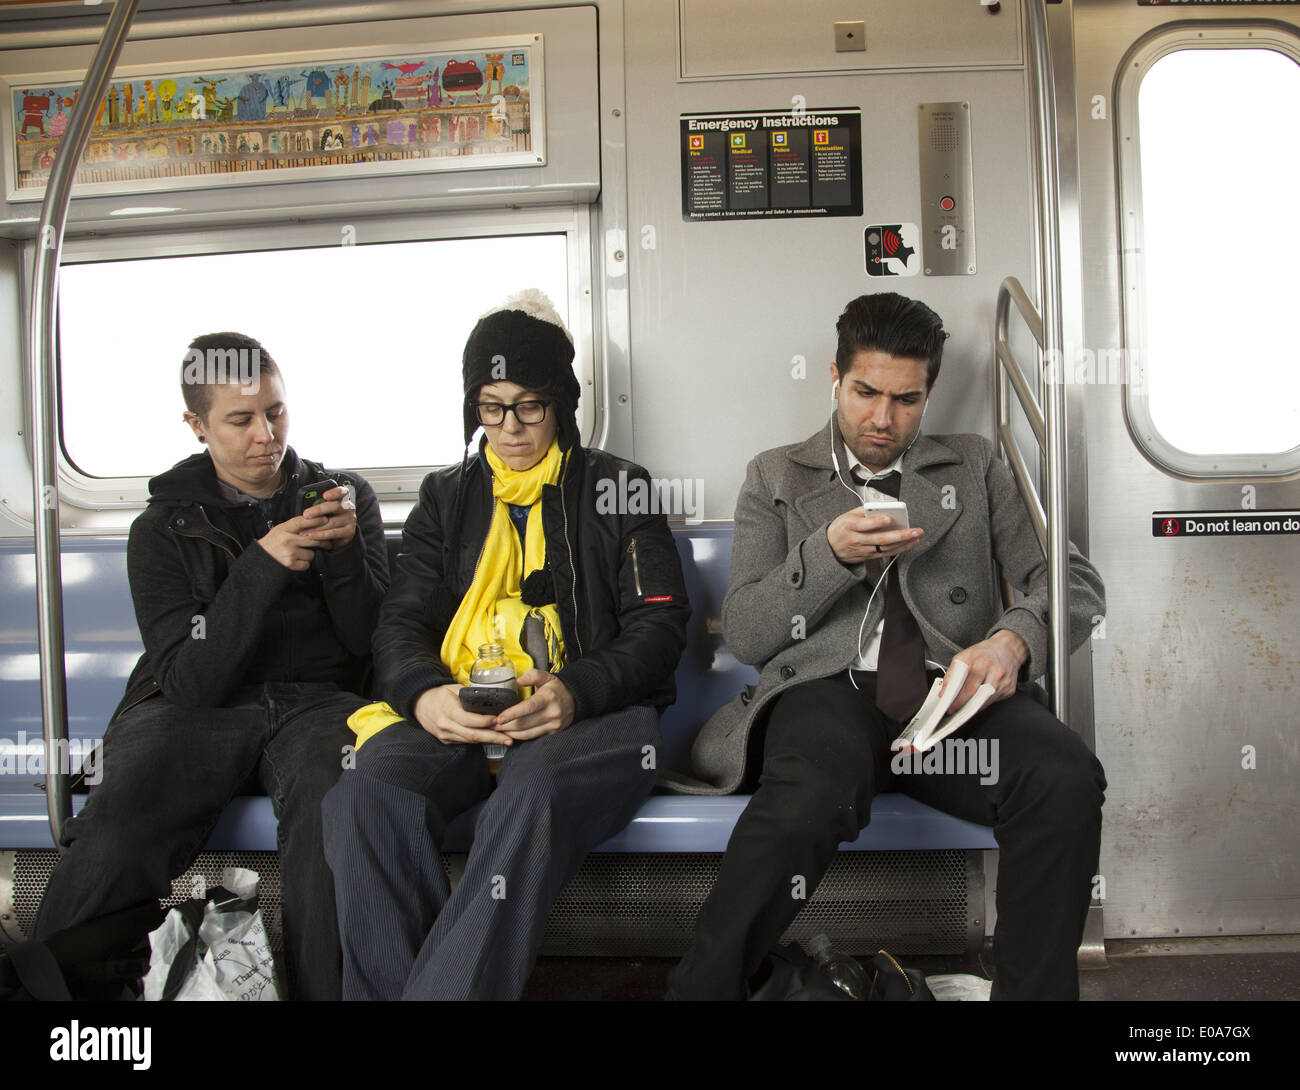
(872, 532)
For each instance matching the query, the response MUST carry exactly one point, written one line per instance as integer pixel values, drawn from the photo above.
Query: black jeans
(168, 772)
(826, 755)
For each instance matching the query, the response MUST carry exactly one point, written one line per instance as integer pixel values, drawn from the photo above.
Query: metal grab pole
(40, 411)
(1058, 550)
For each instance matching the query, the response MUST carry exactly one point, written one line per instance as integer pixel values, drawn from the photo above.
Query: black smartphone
(309, 495)
(487, 700)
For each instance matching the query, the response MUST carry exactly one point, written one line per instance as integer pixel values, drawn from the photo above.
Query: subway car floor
(1155, 972)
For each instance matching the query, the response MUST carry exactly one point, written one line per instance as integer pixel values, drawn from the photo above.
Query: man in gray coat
(849, 617)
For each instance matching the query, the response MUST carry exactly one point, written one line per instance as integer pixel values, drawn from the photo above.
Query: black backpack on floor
(788, 974)
(101, 959)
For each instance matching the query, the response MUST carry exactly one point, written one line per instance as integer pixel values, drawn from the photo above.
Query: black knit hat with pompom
(524, 342)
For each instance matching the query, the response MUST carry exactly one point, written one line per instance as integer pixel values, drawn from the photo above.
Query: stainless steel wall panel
(1201, 656)
(722, 313)
(730, 38)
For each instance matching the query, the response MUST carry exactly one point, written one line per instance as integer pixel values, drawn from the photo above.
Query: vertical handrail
(1051, 431)
(40, 415)
(1051, 536)
(1004, 358)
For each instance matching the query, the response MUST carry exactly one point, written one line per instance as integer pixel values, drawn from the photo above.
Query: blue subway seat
(102, 645)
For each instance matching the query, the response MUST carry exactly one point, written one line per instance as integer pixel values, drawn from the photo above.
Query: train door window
(368, 336)
(1207, 167)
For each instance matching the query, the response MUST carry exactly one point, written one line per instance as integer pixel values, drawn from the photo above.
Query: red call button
(947, 204)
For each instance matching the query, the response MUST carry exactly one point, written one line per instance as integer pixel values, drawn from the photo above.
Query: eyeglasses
(492, 413)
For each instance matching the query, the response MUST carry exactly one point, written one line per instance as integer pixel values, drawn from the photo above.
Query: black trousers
(168, 772)
(825, 755)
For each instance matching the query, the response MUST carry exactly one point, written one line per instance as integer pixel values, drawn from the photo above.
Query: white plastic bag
(950, 986)
(231, 957)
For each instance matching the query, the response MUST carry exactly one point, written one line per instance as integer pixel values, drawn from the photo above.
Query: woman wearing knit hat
(517, 535)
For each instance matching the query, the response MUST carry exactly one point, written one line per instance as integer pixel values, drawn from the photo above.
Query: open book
(932, 724)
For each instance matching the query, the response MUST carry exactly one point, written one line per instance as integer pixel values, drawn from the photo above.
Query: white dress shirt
(869, 648)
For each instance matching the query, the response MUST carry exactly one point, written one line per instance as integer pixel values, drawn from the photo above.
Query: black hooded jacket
(615, 573)
(216, 611)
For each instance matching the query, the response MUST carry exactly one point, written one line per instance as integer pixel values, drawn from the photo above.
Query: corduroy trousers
(406, 934)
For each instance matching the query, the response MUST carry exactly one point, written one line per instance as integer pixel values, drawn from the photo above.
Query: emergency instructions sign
(760, 165)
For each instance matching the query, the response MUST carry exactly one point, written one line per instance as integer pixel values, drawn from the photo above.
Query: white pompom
(534, 303)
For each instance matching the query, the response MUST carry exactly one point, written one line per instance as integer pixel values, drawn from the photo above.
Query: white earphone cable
(839, 476)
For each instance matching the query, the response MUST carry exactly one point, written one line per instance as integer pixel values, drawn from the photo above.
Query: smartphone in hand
(487, 700)
(896, 509)
(309, 495)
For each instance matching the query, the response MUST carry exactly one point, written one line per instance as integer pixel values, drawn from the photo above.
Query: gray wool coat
(794, 611)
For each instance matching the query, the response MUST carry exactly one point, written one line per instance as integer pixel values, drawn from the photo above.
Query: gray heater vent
(625, 905)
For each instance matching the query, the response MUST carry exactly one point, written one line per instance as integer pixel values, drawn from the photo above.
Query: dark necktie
(900, 667)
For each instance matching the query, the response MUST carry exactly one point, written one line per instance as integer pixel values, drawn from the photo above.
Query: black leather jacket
(216, 611)
(617, 578)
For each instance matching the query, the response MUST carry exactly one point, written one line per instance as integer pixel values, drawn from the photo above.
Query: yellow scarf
(492, 610)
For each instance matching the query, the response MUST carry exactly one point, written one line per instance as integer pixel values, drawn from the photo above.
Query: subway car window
(1208, 306)
(368, 338)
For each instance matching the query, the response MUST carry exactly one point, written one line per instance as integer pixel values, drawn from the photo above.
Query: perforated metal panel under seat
(32, 871)
(623, 904)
